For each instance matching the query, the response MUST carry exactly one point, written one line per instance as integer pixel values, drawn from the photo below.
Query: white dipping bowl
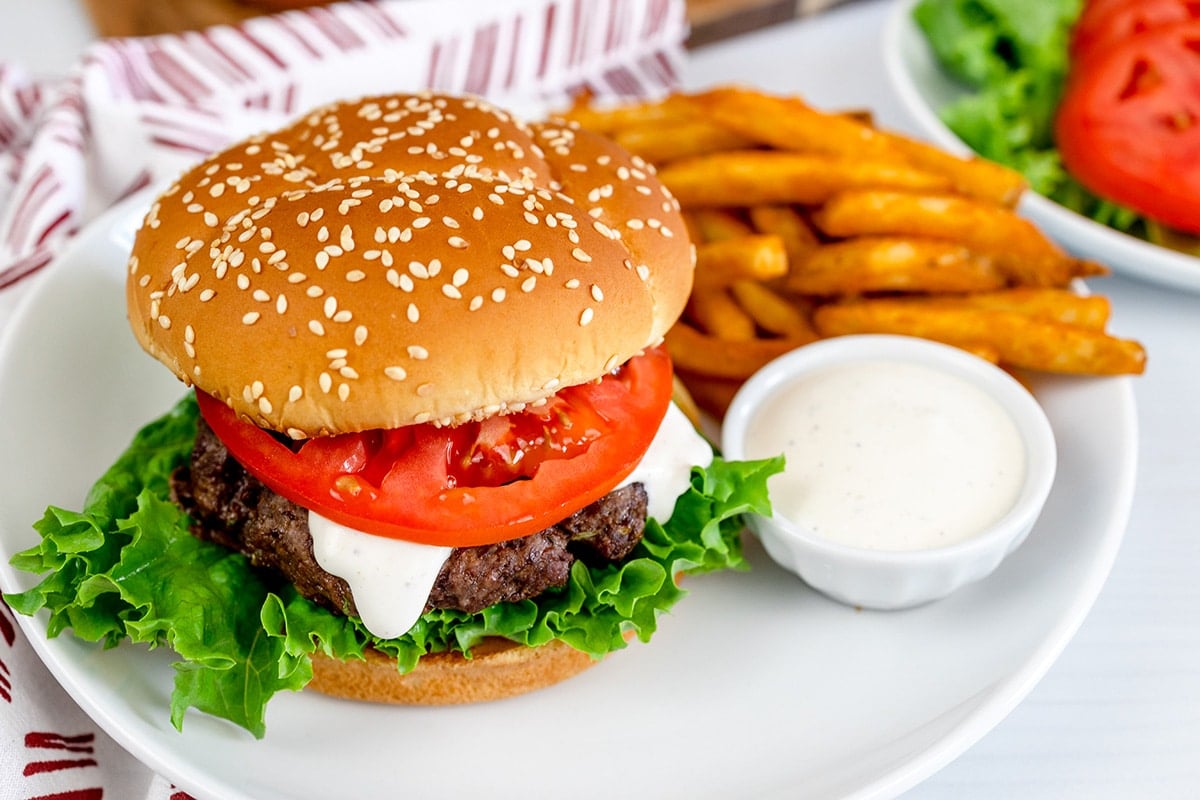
(896, 579)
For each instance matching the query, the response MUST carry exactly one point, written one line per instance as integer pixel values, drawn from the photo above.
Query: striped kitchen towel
(137, 111)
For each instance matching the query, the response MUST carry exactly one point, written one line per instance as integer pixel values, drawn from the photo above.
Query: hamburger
(430, 455)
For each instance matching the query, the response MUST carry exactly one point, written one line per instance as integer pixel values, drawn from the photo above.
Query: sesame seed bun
(406, 259)
(496, 669)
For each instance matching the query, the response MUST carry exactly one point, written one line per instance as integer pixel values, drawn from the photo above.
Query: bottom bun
(497, 668)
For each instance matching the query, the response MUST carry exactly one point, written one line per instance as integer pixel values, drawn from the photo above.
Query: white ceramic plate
(923, 88)
(755, 686)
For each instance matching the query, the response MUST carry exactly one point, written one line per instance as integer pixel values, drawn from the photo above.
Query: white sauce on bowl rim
(889, 455)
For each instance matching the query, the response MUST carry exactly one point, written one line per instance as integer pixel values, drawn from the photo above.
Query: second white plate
(923, 87)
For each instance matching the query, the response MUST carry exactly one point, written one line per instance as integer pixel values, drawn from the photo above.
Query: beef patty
(231, 507)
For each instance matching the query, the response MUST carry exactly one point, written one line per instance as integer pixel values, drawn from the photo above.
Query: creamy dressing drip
(391, 579)
(890, 456)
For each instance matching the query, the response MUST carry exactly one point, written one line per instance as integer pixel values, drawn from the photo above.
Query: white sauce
(665, 471)
(391, 579)
(890, 456)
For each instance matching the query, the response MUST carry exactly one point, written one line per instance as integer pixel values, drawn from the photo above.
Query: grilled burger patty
(231, 507)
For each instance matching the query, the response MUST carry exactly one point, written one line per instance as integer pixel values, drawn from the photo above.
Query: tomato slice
(1128, 126)
(1104, 23)
(473, 484)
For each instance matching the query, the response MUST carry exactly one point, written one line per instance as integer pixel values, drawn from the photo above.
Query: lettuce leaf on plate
(1012, 54)
(126, 568)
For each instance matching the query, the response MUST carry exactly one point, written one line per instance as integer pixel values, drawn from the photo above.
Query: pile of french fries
(810, 224)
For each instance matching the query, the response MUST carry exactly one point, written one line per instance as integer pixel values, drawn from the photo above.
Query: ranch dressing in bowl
(912, 468)
(889, 455)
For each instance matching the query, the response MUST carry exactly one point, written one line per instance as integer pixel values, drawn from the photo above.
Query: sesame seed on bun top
(406, 259)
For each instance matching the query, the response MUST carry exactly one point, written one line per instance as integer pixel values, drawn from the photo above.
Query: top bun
(406, 259)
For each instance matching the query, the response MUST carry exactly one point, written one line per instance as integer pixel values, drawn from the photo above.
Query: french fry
(788, 224)
(1051, 305)
(711, 394)
(788, 123)
(693, 351)
(1014, 243)
(984, 351)
(609, 119)
(771, 311)
(1020, 340)
(892, 263)
(716, 312)
(670, 140)
(755, 257)
(716, 224)
(740, 178)
(682, 396)
(975, 177)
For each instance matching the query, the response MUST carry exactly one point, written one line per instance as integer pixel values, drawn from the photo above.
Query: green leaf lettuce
(1012, 54)
(127, 568)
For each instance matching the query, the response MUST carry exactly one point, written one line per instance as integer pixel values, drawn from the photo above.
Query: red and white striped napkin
(134, 112)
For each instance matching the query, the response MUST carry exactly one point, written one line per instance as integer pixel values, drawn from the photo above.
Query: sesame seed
(522, 245)
(457, 242)
(325, 382)
(355, 275)
(586, 316)
(344, 392)
(579, 255)
(460, 276)
(316, 327)
(452, 292)
(597, 294)
(395, 373)
(413, 313)
(295, 393)
(417, 352)
(529, 284)
(248, 319)
(476, 303)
